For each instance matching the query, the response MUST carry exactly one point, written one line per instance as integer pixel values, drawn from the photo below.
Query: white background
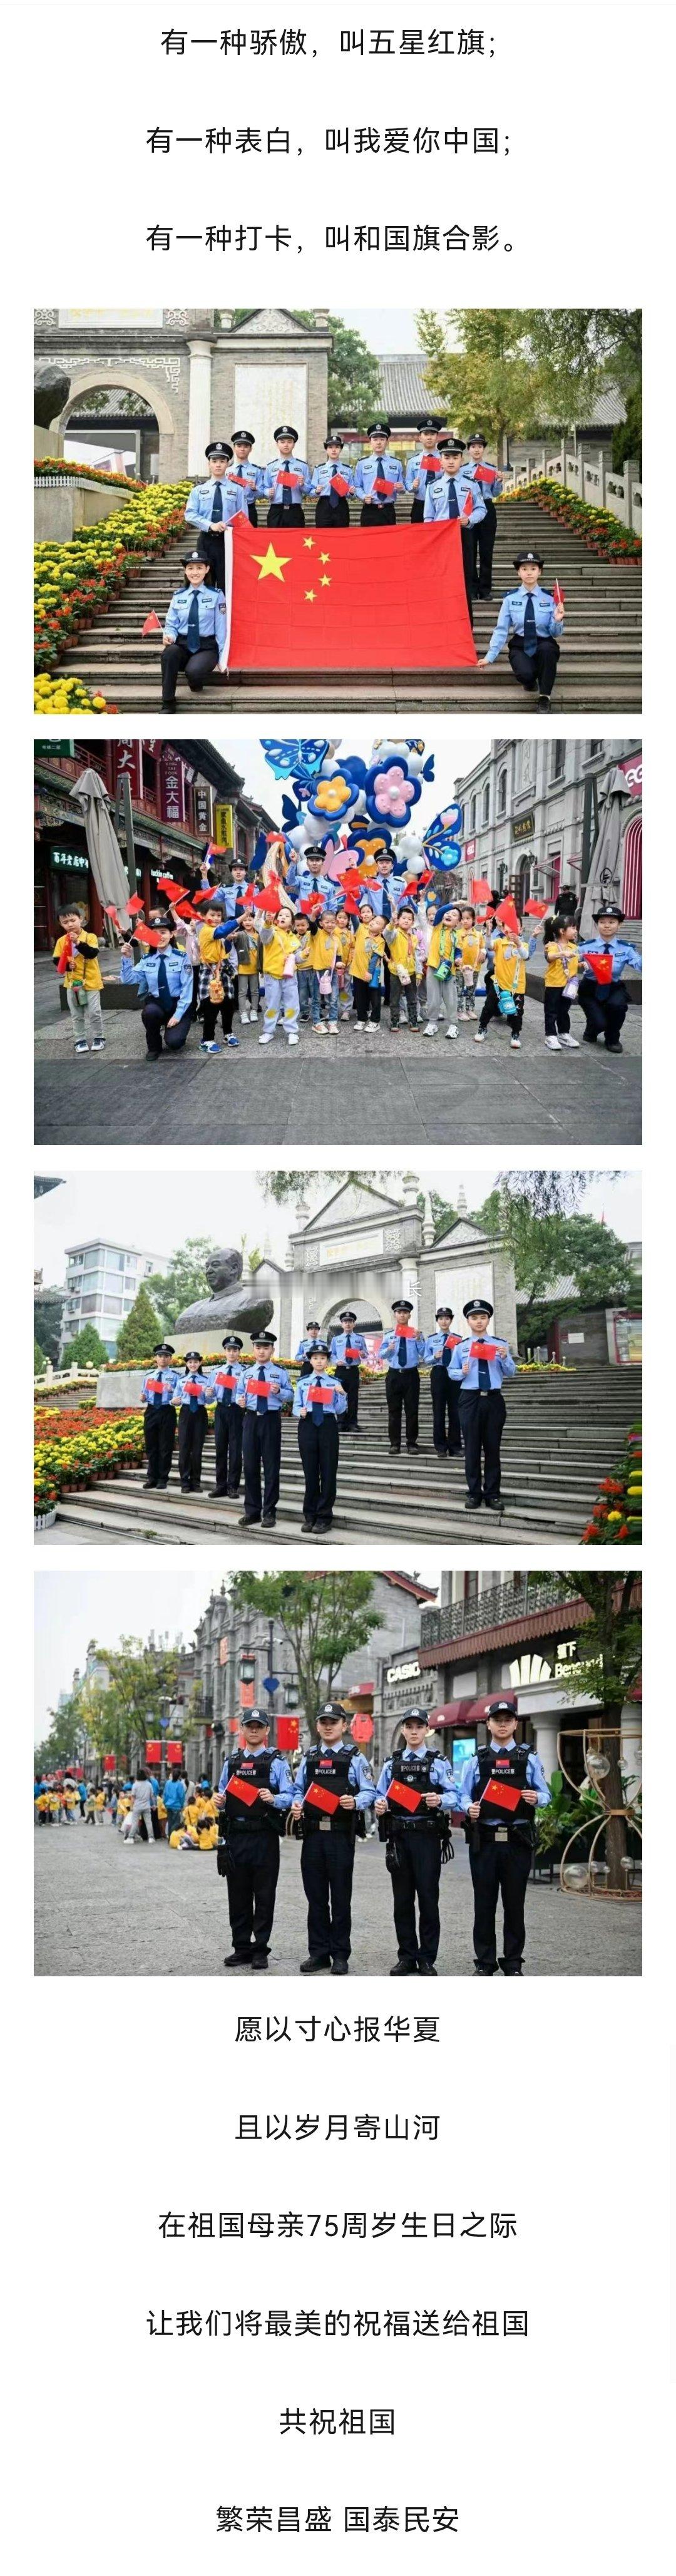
(121, 2098)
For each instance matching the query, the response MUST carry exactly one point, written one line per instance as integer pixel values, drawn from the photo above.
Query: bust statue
(245, 1307)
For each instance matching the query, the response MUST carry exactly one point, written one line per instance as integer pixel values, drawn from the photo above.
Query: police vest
(254, 1768)
(328, 1767)
(416, 1775)
(495, 1763)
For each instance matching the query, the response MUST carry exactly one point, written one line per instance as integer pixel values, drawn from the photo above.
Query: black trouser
(210, 1014)
(373, 517)
(538, 669)
(406, 993)
(326, 1866)
(156, 1018)
(417, 513)
(483, 541)
(278, 517)
(416, 1873)
(319, 1443)
(445, 1400)
(328, 517)
(402, 1387)
(605, 1007)
(491, 1010)
(261, 1450)
(159, 1433)
(368, 998)
(500, 1869)
(197, 666)
(156, 1826)
(191, 1438)
(348, 1377)
(228, 1423)
(252, 1871)
(482, 1419)
(212, 552)
(557, 1012)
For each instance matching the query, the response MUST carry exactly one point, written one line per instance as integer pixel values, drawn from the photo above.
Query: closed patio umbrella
(104, 851)
(604, 883)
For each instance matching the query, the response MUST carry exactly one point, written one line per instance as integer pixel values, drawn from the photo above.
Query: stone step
(206, 1519)
(577, 697)
(523, 1474)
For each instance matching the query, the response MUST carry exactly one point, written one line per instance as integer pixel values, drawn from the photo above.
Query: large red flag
(360, 599)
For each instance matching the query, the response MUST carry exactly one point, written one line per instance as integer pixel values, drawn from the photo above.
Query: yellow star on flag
(310, 594)
(325, 559)
(271, 563)
(308, 542)
(325, 583)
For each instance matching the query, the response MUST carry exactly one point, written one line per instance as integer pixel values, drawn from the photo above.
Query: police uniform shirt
(389, 1349)
(309, 1343)
(489, 491)
(359, 1784)
(232, 897)
(301, 884)
(341, 1343)
(276, 491)
(224, 1395)
(440, 503)
(512, 614)
(322, 477)
(280, 1781)
(245, 477)
(441, 1776)
(436, 1351)
(497, 1368)
(535, 1778)
(414, 477)
(620, 951)
(372, 469)
(303, 1396)
(210, 609)
(203, 1396)
(278, 1386)
(170, 1381)
(199, 508)
(146, 976)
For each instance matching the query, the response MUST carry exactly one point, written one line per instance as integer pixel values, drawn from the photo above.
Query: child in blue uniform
(318, 1403)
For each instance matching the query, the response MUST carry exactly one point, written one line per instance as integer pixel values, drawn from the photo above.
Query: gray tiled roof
(403, 392)
(609, 408)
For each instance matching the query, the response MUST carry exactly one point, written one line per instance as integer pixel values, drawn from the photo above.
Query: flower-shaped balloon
(370, 844)
(390, 793)
(333, 798)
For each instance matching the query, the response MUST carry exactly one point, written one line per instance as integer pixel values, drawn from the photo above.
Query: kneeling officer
(500, 1788)
(415, 1795)
(254, 1794)
(333, 1785)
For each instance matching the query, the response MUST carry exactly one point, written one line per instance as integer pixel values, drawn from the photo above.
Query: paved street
(104, 1908)
(375, 1086)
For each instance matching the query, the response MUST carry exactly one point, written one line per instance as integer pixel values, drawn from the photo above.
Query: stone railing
(590, 476)
(53, 1380)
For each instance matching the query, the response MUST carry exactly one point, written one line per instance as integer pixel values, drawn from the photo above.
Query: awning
(469, 1712)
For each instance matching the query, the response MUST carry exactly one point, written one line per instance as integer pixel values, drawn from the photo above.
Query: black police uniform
(211, 549)
(192, 1429)
(248, 1854)
(414, 1855)
(327, 1854)
(500, 1858)
(228, 1430)
(445, 1394)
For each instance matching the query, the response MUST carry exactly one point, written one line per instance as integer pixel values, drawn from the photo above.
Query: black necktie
(287, 495)
(192, 635)
(453, 502)
(217, 505)
(530, 633)
(261, 1400)
(163, 993)
(402, 1351)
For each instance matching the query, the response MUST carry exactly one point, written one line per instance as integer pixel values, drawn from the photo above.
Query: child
(280, 944)
(344, 955)
(194, 1395)
(441, 991)
(262, 1388)
(501, 1837)
(479, 1367)
(402, 1349)
(216, 990)
(76, 955)
(158, 1395)
(164, 979)
(333, 1786)
(403, 961)
(560, 987)
(470, 953)
(248, 953)
(323, 956)
(532, 619)
(369, 948)
(227, 1421)
(318, 1403)
(600, 994)
(508, 955)
(195, 633)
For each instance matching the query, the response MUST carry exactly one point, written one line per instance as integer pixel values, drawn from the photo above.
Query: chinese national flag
(507, 915)
(499, 1793)
(482, 1350)
(369, 599)
(324, 1798)
(319, 1394)
(401, 1796)
(243, 1789)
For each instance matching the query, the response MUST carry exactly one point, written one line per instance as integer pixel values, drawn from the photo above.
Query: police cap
(428, 424)
(243, 438)
(193, 1355)
(477, 439)
(402, 1306)
(334, 439)
(163, 1350)
(253, 1717)
(378, 429)
(609, 912)
(443, 1310)
(219, 447)
(232, 1343)
(451, 447)
(504, 1707)
(285, 431)
(347, 1315)
(331, 1714)
(528, 558)
(478, 1306)
(414, 1717)
(316, 1347)
(272, 1337)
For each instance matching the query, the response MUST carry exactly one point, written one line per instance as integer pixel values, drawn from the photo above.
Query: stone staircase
(561, 1436)
(600, 668)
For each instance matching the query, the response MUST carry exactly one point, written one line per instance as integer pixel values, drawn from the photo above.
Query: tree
(520, 372)
(183, 1282)
(141, 1677)
(323, 1616)
(48, 1305)
(282, 1186)
(354, 372)
(546, 1245)
(87, 1348)
(39, 1359)
(141, 1330)
(608, 1668)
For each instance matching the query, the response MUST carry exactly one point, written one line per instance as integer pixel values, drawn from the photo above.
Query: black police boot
(405, 1968)
(310, 1967)
(339, 1968)
(238, 1959)
(426, 1968)
(259, 1958)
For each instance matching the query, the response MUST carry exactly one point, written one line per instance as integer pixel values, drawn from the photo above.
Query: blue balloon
(294, 759)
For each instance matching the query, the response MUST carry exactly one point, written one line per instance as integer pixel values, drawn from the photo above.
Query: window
(113, 1306)
(487, 802)
(472, 816)
(502, 791)
(594, 747)
(115, 1260)
(91, 1260)
(558, 760)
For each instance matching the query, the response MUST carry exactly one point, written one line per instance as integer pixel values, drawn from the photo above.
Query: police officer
(419, 476)
(195, 632)
(249, 477)
(285, 495)
(158, 1396)
(228, 1421)
(601, 995)
(306, 1345)
(500, 1788)
(532, 620)
(444, 1389)
(378, 510)
(262, 1388)
(194, 1394)
(332, 509)
(456, 496)
(347, 1349)
(484, 530)
(318, 1403)
(402, 1349)
(212, 506)
(254, 1796)
(332, 1789)
(482, 1411)
(415, 1793)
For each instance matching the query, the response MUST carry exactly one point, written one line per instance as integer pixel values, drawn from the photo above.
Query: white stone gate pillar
(199, 405)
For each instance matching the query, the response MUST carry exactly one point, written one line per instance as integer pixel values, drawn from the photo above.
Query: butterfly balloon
(298, 760)
(442, 847)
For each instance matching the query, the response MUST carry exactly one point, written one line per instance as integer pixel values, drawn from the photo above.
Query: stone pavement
(379, 1087)
(107, 1909)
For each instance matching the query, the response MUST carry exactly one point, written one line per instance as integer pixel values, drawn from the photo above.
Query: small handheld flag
(401, 1796)
(152, 625)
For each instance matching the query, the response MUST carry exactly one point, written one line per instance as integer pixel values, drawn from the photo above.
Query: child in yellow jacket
(441, 987)
(323, 961)
(216, 988)
(471, 952)
(509, 955)
(281, 944)
(562, 960)
(369, 949)
(345, 951)
(76, 956)
(248, 955)
(402, 953)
